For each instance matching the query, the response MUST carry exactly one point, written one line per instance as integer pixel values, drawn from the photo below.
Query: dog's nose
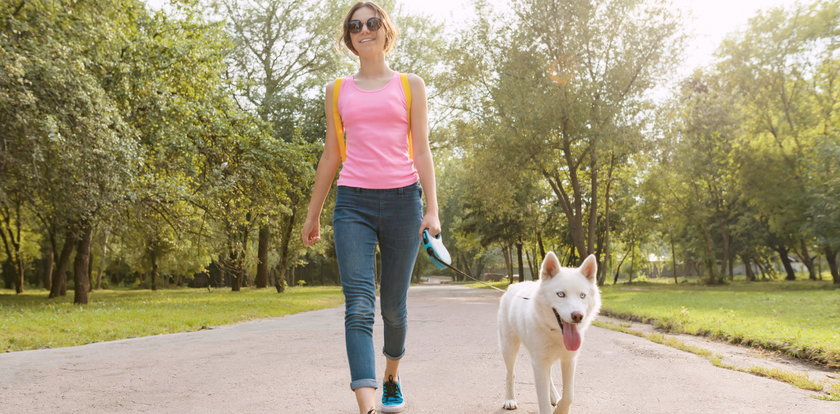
(577, 317)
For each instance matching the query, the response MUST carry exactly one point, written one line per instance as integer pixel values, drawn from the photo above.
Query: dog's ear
(550, 266)
(589, 267)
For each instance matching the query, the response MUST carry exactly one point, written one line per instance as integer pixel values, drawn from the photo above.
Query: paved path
(296, 364)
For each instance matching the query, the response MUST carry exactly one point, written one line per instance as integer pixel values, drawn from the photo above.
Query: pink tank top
(376, 127)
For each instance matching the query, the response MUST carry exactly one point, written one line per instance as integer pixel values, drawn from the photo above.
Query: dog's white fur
(526, 317)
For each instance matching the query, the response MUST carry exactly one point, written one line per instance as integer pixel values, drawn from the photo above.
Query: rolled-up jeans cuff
(393, 358)
(361, 383)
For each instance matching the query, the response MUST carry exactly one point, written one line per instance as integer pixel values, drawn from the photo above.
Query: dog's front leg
(555, 396)
(542, 379)
(510, 348)
(567, 368)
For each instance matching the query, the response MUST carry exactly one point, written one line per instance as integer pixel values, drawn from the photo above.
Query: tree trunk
(724, 259)
(508, 264)
(10, 234)
(709, 250)
(261, 280)
(807, 260)
(234, 268)
(81, 266)
(50, 267)
(731, 268)
(530, 264)
(572, 206)
(783, 255)
(284, 251)
(673, 258)
(603, 270)
(20, 271)
(748, 268)
(465, 261)
(542, 248)
(618, 268)
(59, 283)
(519, 257)
(155, 269)
(831, 258)
(593, 202)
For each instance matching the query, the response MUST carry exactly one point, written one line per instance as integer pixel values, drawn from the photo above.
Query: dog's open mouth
(571, 336)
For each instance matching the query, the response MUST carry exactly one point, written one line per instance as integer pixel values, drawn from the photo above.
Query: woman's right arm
(324, 175)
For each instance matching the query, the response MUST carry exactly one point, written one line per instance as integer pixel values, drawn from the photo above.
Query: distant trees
(158, 145)
(153, 146)
(746, 163)
(558, 101)
(120, 120)
(734, 167)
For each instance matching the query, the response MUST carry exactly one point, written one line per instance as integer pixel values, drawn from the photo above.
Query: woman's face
(367, 42)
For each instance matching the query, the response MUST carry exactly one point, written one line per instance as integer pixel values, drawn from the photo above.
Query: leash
(440, 256)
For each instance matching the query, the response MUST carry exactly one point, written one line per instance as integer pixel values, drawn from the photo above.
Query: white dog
(550, 317)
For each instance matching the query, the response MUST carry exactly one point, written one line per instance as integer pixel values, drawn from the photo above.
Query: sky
(707, 21)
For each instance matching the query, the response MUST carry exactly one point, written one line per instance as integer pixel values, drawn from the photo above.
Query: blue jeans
(363, 217)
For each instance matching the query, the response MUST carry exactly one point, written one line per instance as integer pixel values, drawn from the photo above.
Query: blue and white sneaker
(392, 397)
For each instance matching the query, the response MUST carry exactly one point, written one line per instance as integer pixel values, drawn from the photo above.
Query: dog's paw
(510, 405)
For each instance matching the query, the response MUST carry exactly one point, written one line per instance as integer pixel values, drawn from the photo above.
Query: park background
(163, 146)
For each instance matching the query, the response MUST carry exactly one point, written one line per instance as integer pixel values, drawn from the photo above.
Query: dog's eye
(583, 295)
(561, 294)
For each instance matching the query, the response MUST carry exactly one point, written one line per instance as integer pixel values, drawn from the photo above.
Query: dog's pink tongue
(571, 336)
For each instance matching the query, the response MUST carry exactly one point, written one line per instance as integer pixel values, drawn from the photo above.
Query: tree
(74, 140)
(279, 64)
(698, 171)
(775, 67)
(561, 92)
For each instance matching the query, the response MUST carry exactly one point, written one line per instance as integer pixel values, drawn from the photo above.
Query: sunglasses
(373, 24)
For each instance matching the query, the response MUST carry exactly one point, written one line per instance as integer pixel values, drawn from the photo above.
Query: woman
(378, 200)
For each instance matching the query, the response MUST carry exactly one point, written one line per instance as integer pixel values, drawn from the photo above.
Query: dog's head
(572, 294)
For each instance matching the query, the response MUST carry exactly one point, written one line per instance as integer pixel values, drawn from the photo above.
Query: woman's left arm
(423, 154)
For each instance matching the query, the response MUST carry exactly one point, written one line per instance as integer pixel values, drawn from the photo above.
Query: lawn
(800, 318)
(31, 321)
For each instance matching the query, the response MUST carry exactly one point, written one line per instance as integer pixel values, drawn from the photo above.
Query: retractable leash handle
(433, 245)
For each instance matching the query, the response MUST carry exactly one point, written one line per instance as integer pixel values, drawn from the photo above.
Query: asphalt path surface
(297, 364)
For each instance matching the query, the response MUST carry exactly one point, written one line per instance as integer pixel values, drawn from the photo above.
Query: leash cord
(454, 269)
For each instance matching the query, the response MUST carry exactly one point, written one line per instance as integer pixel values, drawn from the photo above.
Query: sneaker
(392, 398)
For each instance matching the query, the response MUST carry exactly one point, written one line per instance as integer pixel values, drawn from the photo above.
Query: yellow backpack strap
(407, 91)
(339, 127)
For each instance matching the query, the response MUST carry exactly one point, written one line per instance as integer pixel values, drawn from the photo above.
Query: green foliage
(742, 169)
(182, 135)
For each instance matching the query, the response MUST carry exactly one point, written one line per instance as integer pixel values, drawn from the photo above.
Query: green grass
(31, 321)
(800, 318)
(833, 393)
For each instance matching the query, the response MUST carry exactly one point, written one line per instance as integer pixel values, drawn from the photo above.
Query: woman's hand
(311, 232)
(431, 222)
